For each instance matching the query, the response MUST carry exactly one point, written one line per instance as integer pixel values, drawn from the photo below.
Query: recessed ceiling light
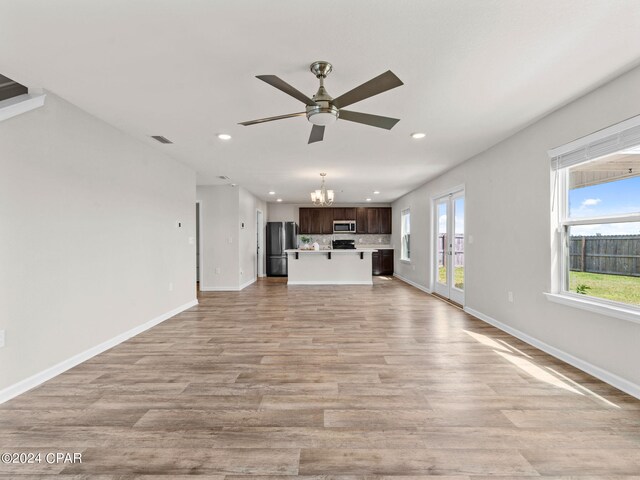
(279, 200)
(224, 136)
(272, 193)
(418, 135)
(376, 192)
(368, 199)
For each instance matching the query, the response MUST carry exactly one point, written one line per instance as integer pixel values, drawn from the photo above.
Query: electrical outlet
(1, 338)
(171, 286)
(192, 241)
(510, 296)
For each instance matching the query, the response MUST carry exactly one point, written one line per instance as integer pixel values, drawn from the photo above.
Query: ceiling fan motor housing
(324, 113)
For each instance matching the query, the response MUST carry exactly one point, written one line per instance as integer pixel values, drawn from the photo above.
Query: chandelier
(322, 197)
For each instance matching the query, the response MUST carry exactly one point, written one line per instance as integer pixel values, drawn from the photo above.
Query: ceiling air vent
(10, 89)
(161, 139)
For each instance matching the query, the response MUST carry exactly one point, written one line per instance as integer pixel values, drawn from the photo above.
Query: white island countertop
(331, 250)
(330, 267)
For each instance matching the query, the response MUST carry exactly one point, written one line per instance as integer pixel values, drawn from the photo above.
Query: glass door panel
(449, 246)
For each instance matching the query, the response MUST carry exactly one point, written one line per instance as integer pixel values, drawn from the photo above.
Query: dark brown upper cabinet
(373, 223)
(384, 219)
(316, 221)
(340, 213)
(361, 220)
(326, 219)
(372, 220)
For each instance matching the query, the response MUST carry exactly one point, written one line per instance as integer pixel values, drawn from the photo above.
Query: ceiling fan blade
(368, 119)
(286, 88)
(271, 119)
(377, 85)
(317, 134)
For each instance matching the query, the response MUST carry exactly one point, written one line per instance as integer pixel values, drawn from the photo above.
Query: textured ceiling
(475, 72)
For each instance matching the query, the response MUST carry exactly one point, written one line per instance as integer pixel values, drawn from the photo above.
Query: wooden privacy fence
(612, 254)
(458, 250)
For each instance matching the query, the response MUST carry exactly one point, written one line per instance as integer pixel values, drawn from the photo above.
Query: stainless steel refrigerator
(280, 237)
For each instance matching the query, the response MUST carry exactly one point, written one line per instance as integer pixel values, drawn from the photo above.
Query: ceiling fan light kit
(323, 109)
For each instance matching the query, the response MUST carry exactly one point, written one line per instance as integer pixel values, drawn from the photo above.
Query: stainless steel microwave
(344, 226)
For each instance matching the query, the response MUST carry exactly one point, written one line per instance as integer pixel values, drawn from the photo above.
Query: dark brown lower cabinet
(382, 262)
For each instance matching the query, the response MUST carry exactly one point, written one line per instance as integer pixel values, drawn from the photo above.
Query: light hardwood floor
(325, 382)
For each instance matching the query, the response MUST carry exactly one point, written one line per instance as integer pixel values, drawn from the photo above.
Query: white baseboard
(35, 380)
(600, 373)
(412, 283)
(326, 282)
(228, 289)
(246, 284)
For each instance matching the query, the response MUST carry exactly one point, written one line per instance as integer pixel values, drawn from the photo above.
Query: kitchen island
(330, 267)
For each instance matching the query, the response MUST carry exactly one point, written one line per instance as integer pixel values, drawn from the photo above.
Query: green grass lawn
(618, 288)
(458, 279)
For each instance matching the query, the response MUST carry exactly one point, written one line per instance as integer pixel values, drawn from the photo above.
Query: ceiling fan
(323, 110)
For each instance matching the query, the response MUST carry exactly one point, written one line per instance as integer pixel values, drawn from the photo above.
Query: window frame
(561, 293)
(405, 253)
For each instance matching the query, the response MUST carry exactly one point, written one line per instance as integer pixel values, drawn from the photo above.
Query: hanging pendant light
(322, 197)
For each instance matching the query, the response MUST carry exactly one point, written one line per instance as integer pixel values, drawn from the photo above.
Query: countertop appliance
(344, 244)
(281, 236)
(344, 226)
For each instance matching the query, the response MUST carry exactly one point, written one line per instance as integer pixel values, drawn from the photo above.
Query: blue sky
(612, 198)
(459, 210)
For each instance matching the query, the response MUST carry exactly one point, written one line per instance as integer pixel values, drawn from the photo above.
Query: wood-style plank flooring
(356, 382)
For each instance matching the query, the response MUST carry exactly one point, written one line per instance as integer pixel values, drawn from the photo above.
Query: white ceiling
(475, 72)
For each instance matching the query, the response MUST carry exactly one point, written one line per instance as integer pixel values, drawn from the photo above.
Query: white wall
(88, 236)
(219, 236)
(283, 212)
(225, 244)
(508, 213)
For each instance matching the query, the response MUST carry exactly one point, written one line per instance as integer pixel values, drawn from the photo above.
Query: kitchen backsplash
(325, 240)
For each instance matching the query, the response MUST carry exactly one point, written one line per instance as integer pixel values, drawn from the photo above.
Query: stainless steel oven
(344, 226)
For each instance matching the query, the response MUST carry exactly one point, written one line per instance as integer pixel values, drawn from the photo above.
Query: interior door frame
(260, 243)
(199, 248)
(451, 292)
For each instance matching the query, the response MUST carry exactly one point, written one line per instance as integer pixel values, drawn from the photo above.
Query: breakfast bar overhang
(330, 267)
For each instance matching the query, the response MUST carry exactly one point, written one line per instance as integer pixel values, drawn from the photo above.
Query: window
(405, 252)
(598, 207)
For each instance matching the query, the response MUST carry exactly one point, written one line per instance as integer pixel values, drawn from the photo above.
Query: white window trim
(600, 306)
(406, 211)
(20, 104)
(558, 293)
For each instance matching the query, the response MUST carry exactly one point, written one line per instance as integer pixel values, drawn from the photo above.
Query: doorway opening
(449, 261)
